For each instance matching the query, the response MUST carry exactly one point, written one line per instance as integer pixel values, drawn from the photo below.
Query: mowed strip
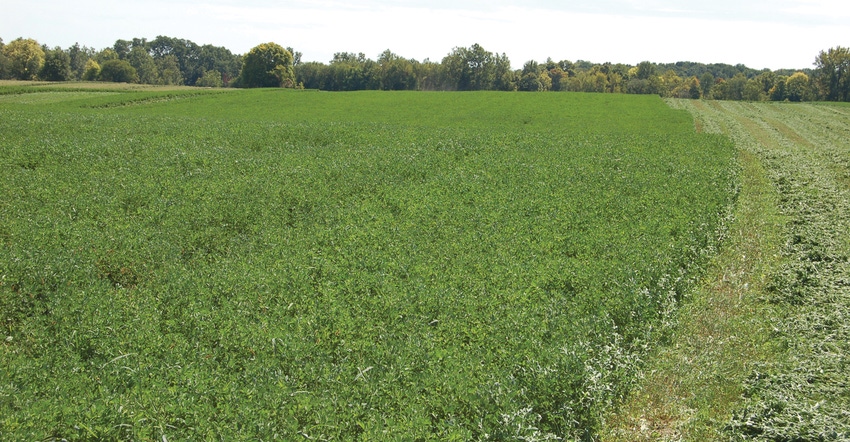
(723, 331)
(799, 300)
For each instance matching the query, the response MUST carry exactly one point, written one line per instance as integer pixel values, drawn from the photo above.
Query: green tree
(531, 67)
(754, 90)
(4, 62)
(644, 80)
(530, 82)
(474, 68)
(79, 58)
(311, 74)
(144, 64)
(267, 65)
(25, 58)
(397, 73)
(645, 70)
(719, 90)
(350, 72)
(505, 78)
(169, 70)
(106, 55)
(122, 48)
(430, 76)
(57, 66)
(210, 79)
(706, 81)
(118, 71)
(188, 55)
(832, 74)
(736, 86)
(216, 58)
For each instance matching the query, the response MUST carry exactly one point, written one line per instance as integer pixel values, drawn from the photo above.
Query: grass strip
(692, 385)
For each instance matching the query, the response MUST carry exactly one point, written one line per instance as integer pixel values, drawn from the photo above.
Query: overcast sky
(760, 34)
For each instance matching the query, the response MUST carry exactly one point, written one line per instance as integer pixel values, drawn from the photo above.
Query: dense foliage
(167, 60)
(276, 263)
(164, 60)
(267, 65)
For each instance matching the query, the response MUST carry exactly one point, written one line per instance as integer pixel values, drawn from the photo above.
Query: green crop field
(278, 264)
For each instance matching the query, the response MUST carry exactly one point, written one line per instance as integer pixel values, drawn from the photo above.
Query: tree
(396, 72)
(505, 78)
(91, 71)
(719, 90)
(735, 87)
(118, 71)
(122, 48)
(559, 78)
(754, 90)
(645, 70)
(530, 82)
(778, 92)
(797, 87)
(474, 68)
(311, 74)
(24, 58)
(143, 63)
(352, 72)
(215, 58)
(4, 62)
(267, 65)
(687, 88)
(57, 66)
(706, 81)
(643, 79)
(430, 75)
(671, 84)
(187, 53)
(210, 79)
(296, 56)
(169, 70)
(79, 59)
(106, 55)
(832, 74)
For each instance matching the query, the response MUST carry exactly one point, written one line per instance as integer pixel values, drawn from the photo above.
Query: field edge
(692, 384)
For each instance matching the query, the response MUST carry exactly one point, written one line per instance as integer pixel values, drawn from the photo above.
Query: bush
(118, 71)
(210, 79)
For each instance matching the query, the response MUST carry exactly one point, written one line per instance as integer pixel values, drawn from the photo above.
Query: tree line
(173, 61)
(161, 61)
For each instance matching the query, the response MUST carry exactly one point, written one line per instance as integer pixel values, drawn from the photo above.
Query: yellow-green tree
(688, 88)
(91, 71)
(24, 58)
(797, 87)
